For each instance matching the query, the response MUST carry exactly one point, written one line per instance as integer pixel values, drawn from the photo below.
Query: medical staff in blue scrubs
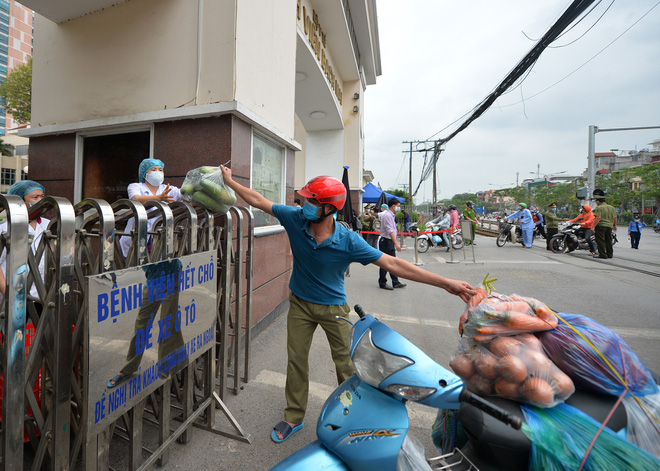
(526, 224)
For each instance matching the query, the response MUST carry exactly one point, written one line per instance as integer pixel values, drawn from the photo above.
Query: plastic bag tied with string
(205, 186)
(598, 359)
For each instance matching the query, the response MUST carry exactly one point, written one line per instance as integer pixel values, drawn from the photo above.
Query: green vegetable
(188, 189)
(217, 191)
(209, 203)
(207, 169)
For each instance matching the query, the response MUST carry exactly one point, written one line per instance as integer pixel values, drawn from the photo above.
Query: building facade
(273, 88)
(15, 49)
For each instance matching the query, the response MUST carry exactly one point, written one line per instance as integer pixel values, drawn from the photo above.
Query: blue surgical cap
(146, 165)
(24, 187)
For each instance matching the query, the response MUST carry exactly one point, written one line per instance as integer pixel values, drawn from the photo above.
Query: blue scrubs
(526, 224)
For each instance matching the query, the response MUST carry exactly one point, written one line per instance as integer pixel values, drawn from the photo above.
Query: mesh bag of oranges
(513, 367)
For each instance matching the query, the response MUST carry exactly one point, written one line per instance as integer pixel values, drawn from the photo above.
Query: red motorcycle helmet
(325, 190)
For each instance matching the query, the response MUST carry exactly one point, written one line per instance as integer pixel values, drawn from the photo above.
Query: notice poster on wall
(145, 324)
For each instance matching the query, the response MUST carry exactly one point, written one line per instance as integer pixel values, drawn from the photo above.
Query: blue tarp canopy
(372, 194)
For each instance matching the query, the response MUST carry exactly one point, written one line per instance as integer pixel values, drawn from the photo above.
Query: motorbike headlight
(411, 393)
(373, 365)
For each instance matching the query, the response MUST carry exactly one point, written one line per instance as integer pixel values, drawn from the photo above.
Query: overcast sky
(440, 58)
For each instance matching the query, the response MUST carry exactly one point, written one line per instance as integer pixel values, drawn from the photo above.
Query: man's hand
(397, 246)
(226, 176)
(462, 289)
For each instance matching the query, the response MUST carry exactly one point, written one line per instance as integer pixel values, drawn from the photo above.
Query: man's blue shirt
(318, 270)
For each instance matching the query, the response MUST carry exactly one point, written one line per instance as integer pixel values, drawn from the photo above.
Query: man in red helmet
(322, 251)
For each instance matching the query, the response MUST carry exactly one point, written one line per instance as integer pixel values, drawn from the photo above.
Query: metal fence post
(13, 350)
(238, 305)
(63, 272)
(98, 258)
(248, 292)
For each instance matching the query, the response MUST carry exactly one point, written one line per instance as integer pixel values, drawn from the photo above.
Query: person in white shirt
(31, 192)
(150, 188)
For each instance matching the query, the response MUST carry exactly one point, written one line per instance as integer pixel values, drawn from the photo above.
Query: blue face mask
(554, 209)
(309, 211)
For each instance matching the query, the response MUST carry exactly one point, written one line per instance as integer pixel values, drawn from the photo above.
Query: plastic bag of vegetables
(598, 359)
(512, 367)
(571, 351)
(562, 436)
(205, 186)
(490, 315)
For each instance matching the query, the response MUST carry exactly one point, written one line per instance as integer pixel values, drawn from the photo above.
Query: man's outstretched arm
(407, 270)
(250, 196)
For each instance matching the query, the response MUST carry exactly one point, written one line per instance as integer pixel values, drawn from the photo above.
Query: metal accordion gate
(52, 254)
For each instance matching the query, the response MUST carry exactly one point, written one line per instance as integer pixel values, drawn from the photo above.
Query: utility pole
(435, 185)
(425, 149)
(410, 178)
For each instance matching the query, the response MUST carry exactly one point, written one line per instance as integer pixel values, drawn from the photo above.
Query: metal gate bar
(13, 329)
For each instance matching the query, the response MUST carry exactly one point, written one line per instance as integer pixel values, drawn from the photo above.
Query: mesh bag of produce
(447, 432)
(512, 367)
(205, 186)
(571, 348)
(490, 315)
(562, 436)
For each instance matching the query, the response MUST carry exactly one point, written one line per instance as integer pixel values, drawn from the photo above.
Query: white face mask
(397, 209)
(155, 178)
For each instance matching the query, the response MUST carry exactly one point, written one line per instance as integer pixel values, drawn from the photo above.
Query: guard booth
(174, 313)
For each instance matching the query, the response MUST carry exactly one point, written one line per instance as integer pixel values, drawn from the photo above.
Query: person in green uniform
(552, 223)
(471, 215)
(367, 220)
(604, 224)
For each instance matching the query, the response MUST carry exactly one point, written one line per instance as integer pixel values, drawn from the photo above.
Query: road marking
(540, 262)
(653, 334)
(273, 378)
(414, 320)
(320, 392)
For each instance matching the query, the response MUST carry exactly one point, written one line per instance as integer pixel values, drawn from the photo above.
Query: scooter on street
(571, 237)
(364, 424)
(513, 234)
(424, 241)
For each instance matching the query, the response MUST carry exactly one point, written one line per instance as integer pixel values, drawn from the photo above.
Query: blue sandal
(117, 380)
(286, 430)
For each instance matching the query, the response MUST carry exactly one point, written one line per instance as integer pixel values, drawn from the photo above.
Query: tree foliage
(6, 149)
(16, 92)
(401, 194)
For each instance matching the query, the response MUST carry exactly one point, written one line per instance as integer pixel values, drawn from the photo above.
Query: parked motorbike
(571, 237)
(510, 234)
(424, 241)
(364, 423)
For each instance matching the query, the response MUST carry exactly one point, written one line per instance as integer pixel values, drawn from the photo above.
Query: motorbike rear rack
(463, 463)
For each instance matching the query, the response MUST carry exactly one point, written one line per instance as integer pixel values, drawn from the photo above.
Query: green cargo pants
(302, 320)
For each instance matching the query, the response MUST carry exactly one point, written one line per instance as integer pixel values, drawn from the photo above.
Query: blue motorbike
(364, 423)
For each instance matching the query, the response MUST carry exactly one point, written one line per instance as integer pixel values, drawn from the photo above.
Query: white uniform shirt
(36, 235)
(142, 189)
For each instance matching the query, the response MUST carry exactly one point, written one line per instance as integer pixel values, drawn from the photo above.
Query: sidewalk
(621, 299)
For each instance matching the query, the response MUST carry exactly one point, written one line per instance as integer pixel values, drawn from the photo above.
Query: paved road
(622, 293)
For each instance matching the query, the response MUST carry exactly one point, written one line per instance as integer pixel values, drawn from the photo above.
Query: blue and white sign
(145, 324)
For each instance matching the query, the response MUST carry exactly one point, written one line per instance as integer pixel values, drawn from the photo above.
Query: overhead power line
(574, 10)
